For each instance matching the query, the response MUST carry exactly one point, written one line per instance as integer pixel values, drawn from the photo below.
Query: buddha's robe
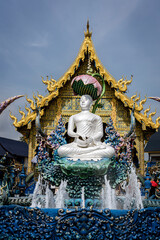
(88, 145)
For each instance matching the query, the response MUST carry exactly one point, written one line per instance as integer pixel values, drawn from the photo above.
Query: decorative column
(141, 153)
(113, 113)
(30, 153)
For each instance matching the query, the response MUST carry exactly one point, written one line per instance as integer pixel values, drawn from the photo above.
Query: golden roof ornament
(88, 33)
(120, 87)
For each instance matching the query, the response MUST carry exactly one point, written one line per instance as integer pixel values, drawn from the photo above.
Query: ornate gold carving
(142, 118)
(14, 119)
(122, 84)
(28, 111)
(157, 124)
(133, 97)
(29, 125)
(141, 153)
(138, 98)
(36, 100)
(32, 105)
(30, 153)
(113, 113)
(119, 87)
(151, 115)
(23, 115)
(25, 120)
(40, 96)
(126, 101)
(51, 84)
(140, 107)
(146, 111)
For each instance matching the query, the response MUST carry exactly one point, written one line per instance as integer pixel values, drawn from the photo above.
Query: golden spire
(88, 33)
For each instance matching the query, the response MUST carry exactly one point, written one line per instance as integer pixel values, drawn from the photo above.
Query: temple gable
(60, 101)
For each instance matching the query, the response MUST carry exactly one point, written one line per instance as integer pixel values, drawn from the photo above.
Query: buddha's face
(85, 102)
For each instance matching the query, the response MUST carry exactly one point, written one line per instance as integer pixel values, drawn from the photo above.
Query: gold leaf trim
(120, 87)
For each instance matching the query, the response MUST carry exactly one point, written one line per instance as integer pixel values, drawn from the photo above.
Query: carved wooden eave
(120, 87)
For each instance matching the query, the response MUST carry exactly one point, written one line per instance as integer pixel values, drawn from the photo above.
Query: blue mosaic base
(31, 223)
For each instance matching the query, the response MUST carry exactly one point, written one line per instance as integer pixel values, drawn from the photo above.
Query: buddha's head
(86, 102)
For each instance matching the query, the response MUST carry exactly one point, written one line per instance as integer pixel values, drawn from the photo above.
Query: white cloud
(39, 41)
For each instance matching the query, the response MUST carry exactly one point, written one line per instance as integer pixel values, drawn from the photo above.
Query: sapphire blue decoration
(22, 184)
(25, 223)
(111, 137)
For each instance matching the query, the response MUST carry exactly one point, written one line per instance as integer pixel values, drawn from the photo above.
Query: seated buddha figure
(87, 130)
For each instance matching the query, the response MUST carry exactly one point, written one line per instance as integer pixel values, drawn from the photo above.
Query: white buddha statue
(87, 130)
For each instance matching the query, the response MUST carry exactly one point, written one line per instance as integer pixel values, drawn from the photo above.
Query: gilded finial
(88, 33)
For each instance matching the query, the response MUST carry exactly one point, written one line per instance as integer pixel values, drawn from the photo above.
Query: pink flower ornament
(86, 84)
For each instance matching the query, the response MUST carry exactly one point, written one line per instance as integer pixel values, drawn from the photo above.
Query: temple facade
(60, 101)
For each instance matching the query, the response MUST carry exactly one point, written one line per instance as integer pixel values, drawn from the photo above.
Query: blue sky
(43, 37)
